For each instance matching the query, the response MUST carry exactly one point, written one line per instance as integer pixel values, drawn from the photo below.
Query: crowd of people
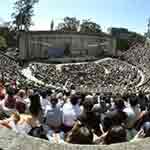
(68, 116)
(79, 112)
(107, 74)
(10, 71)
(122, 73)
(138, 55)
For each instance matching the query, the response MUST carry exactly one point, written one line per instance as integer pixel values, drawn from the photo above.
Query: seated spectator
(89, 117)
(116, 116)
(27, 122)
(20, 102)
(8, 104)
(10, 101)
(24, 123)
(117, 134)
(143, 133)
(11, 122)
(80, 134)
(143, 118)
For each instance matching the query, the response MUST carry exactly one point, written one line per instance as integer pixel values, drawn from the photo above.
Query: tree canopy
(22, 17)
(72, 24)
(90, 27)
(69, 24)
(3, 43)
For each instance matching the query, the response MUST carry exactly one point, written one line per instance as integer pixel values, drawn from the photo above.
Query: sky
(131, 14)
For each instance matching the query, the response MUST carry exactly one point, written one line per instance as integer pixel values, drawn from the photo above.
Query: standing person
(54, 117)
(44, 100)
(71, 111)
(132, 111)
(88, 117)
(116, 116)
(60, 99)
(133, 114)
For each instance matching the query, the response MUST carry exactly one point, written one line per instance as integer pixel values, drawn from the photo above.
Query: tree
(90, 27)
(52, 25)
(3, 44)
(147, 34)
(22, 17)
(70, 24)
(8, 34)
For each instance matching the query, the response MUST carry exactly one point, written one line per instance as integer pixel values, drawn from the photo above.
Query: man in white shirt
(71, 111)
(132, 111)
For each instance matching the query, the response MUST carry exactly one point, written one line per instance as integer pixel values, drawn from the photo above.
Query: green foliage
(70, 24)
(126, 38)
(9, 36)
(52, 25)
(88, 26)
(3, 44)
(122, 44)
(22, 17)
(118, 31)
(137, 37)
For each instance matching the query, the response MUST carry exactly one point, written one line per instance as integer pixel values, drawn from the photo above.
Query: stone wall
(13, 141)
(35, 44)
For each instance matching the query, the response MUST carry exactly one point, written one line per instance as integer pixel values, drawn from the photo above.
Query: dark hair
(35, 106)
(116, 134)
(80, 135)
(113, 118)
(88, 104)
(119, 103)
(38, 132)
(43, 94)
(49, 92)
(10, 91)
(133, 100)
(53, 99)
(67, 93)
(74, 99)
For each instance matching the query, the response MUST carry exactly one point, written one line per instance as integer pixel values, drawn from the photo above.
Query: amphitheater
(104, 75)
(116, 75)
